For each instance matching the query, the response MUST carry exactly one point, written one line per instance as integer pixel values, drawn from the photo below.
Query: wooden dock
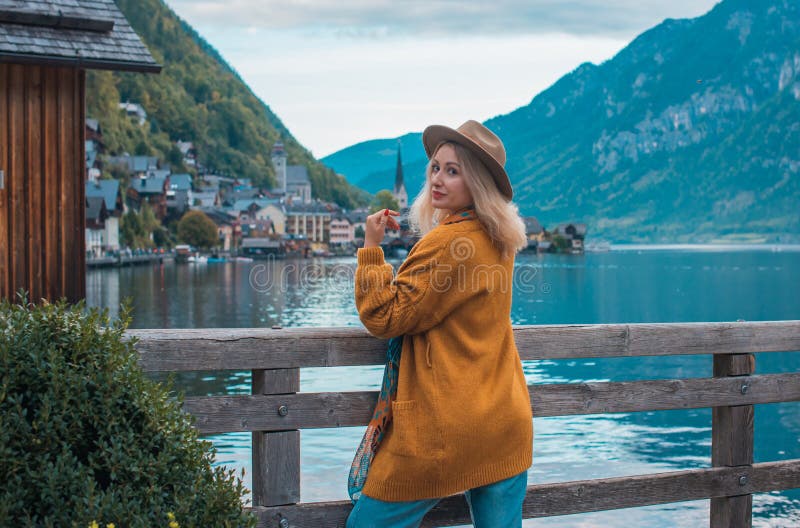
(276, 410)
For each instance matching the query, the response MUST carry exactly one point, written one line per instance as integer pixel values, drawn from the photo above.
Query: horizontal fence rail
(261, 348)
(276, 410)
(566, 498)
(308, 410)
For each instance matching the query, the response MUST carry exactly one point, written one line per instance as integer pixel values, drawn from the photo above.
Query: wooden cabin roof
(83, 33)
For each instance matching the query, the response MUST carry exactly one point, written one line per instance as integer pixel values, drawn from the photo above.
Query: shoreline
(705, 247)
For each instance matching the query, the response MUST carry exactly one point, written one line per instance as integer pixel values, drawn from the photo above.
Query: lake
(625, 285)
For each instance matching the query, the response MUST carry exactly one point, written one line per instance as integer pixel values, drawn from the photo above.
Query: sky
(338, 72)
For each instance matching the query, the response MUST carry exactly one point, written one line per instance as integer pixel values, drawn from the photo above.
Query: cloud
(371, 19)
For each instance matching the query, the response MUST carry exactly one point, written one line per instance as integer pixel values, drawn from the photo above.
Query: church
(293, 182)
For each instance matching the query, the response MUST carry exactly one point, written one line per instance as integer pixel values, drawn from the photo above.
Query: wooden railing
(276, 410)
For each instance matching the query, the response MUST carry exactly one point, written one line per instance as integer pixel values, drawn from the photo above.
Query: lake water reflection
(613, 287)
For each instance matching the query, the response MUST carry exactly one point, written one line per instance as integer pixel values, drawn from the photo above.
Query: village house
(134, 110)
(227, 228)
(94, 132)
(341, 230)
(358, 223)
(94, 147)
(109, 192)
(45, 49)
(137, 166)
(188, 152)
(257, 228)
(96, 215)
(179, 194)
(151, 188)
(233, 197)
(535, 232)
(216, 181)
(311, 219)
(573, 233)
(205, 198)
(262, 209)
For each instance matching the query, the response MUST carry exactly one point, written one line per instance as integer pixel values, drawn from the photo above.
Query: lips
(437, 194)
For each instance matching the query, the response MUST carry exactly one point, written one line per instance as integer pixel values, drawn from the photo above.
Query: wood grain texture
(732, 439)
(276, 455)
(34, 181)
(5, 252)
(51, 281)
(567, 498)
(262, 348)
(78, 180)
(16, 182)
(219, 414)
(42, 209)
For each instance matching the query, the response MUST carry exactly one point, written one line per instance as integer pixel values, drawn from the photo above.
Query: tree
(130, 228)
(136, 229)
(197, 229)
(560, 243)
(148, 218)
(384, 199)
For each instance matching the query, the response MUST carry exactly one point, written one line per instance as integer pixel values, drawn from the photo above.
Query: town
(136, 207)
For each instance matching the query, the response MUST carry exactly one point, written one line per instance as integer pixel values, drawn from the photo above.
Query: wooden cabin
(46, 46)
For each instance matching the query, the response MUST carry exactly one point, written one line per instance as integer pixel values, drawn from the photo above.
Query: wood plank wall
(42, 205)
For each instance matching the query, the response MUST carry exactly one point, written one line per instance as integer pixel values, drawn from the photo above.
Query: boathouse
(46, 46)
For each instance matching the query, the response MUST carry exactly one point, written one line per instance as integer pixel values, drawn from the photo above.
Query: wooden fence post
(276, 455)
(732, 444)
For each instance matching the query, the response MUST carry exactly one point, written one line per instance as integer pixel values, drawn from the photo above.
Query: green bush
(86, 438)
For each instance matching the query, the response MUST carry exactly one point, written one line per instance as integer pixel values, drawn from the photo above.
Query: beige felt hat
(478, 139)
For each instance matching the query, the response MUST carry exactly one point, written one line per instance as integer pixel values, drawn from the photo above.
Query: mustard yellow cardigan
(462, 417)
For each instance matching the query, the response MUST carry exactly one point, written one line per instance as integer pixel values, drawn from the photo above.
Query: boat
(183, 252)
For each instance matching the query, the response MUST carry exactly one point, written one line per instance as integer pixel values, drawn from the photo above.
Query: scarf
(381, 418)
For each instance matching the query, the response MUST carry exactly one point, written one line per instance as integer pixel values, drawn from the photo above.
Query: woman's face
(448, 187)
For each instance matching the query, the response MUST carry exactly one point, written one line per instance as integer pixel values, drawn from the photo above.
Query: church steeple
(400, 193)
(398, 174)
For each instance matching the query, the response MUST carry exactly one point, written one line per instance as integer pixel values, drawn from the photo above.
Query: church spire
(398, 175)
(400, 193)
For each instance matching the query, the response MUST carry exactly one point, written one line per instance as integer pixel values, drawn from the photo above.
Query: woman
(461, 420)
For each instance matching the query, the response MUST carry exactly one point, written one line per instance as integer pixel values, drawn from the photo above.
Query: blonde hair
(500, 218)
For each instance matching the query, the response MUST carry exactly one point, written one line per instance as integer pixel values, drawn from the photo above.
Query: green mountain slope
(371, 164)
(689, 134)
(198, 97)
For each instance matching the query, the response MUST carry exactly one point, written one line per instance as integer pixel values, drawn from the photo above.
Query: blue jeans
(497, 505)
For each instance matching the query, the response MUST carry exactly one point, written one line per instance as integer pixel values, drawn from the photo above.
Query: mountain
(371, 164)
(198, 97)
(689, 134)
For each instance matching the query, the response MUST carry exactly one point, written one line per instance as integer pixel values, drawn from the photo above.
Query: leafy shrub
(86, 439)
(560, 243)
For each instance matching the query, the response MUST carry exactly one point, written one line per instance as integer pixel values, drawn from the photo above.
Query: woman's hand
(376, 225)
